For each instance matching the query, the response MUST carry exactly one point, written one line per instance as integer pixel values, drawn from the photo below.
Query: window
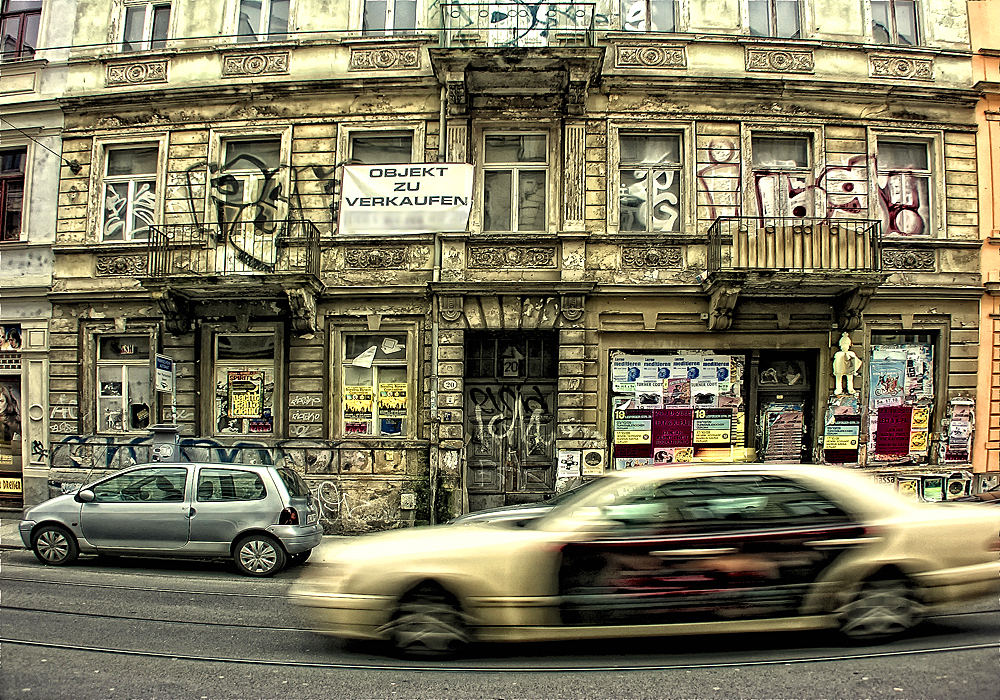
(129, 193)
(220, 485)
(649, 15)
(903, 172)
(19, 25)
(379, 148)
(778, 18)
(244, 383)
(894, 22)
(146, 26)
(11, 193)
(782, 176)
(153, 485)
(649, 186)
(515, 181)
(377, 400)
(388, 17)
(262, 20)
(123, 383)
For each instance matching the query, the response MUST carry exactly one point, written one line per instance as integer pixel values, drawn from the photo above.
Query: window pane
(404, 16)
(13, 205)
(161, 25)
(252, 155)
(358, 376)
(249, 24)
(13, 161)
(382, 149)
(374, 19)
(278, 26)
(134, 347)
(22, 5)
(132, 161)
(663, 16)
(237, 348)
(375, 347)
(900, 155)
(650, 150)
(787, 18)
(514, 148)
(780, 152)
(11, 30)
(497, 200)
(143, 209)
(531, 201)
(115, 211)
(138, 416)
(760, 18)
(881, 26)
(135, 17)
(633, 14)
(906, 22)
(30, 39)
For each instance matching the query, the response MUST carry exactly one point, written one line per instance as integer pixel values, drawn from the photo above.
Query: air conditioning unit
(594, 462)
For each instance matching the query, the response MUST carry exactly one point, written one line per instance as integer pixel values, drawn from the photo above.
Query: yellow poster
(246, 392)
(392, 400)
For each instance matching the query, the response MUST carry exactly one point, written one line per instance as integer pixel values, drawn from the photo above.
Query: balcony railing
(793, 245)
(204, 250)
(518, 25)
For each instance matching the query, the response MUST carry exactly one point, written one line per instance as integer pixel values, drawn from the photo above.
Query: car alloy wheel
(881, 609)
(55, 546)
(428, 624)
(258, 555)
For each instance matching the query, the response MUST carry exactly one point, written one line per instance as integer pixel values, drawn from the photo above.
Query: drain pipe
(435, 455)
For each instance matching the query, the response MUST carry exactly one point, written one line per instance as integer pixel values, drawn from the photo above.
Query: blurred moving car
(262, 517)
(520, 513)
(686, 550)
(990, 495)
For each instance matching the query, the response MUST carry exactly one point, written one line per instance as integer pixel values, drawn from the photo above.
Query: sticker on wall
(569, 463)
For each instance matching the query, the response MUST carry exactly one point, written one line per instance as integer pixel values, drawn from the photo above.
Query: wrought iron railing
(283, 247)
(517, 24)
(793, 244)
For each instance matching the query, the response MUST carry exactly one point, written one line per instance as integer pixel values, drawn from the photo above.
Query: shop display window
(900, 397)
(377, 400)
(244, 383)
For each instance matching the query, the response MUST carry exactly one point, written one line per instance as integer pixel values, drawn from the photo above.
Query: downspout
(435, 455)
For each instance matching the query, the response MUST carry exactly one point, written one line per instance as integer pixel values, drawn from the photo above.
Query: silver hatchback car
(263, 517)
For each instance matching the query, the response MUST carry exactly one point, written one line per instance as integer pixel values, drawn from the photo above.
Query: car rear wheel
(54, 545)
(429, 624)
(259, 555)
(882, 609)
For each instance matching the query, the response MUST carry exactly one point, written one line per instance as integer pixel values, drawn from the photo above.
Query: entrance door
(784, 387)
(510, 405)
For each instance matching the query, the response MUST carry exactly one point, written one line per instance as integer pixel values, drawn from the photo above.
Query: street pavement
(10, 538)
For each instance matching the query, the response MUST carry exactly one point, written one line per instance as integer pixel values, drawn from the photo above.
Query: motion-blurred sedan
(684, 550)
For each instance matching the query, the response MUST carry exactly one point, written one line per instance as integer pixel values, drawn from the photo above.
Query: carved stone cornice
(647, 56)
(651, 256)
(136, 73)
(303, 304)
(239, 65)
(121, 266)
(493, 257)
(176, 314)
(900, 67)
(385, 58)
(376, 258)
(779, 61)
(908, 260)
(850, 307)
(721, 303)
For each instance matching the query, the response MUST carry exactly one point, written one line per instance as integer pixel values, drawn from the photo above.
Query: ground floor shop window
(123, 383)
(244, 383)
(900, 397)
(377, 400)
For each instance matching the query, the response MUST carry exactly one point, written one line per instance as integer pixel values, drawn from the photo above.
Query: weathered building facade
(683, 216)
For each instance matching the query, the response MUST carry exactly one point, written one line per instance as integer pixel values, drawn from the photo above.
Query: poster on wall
(782, 432)
(391, 408)
(957, 445)
(900, 402)
(10, 411)
(359, 404)
(10, 338)
(246, 394)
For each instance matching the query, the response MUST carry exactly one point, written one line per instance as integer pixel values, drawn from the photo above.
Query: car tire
(881, 609)
(429, 623)
(259, 555)
(54, 545)
(299, 558)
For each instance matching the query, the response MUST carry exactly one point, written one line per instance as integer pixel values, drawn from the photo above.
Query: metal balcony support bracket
(176, 314)
(303, 304)
(721, 303)
(850, 307)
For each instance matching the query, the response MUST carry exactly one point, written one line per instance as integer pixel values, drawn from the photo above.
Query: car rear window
(295, 484)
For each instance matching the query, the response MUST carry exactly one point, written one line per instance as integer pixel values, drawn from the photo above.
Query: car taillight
(289, 516)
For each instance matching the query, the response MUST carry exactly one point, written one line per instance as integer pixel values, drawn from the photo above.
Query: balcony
(517, 25)
(782, 258)
(238, 268)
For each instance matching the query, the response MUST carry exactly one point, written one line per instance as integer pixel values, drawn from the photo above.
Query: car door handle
(845, 542)
(710, 552)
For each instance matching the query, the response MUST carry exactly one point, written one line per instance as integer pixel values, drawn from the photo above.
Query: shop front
(11, 431)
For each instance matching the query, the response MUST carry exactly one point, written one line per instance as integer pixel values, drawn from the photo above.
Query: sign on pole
(165, 374)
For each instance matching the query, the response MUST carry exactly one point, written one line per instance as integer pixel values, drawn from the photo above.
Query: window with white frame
(146, 26)
(777, 18)
(129, 195)
(124, 388)
(12, 164)
(376, 398)
(649, 15)
(19, 20)
(389, 17)
(244, 383)
(381, 147)
(895, 22)
(649, 182)
(262, 20)
(903, 171)
(515, 182)
(782, 176)
(248, 189)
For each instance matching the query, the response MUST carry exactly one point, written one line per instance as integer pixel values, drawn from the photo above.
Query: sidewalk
(10, 538)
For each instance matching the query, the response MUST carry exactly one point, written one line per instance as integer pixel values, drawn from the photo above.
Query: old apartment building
(442, 256)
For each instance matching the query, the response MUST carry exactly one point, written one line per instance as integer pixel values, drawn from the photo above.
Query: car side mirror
(85, 496)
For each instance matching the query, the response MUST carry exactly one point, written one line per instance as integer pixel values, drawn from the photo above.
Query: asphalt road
(130, 628)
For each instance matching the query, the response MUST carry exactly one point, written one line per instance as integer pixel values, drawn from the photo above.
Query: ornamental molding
(494, 257)
(377, 258)
(778, 61)
(237, 65)
(900, 68)
(136, 73)
(908, 260)
(651, 256)
(121, 266)
(451, 307)
(573, 307)
(385, 59)
(645, 56)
